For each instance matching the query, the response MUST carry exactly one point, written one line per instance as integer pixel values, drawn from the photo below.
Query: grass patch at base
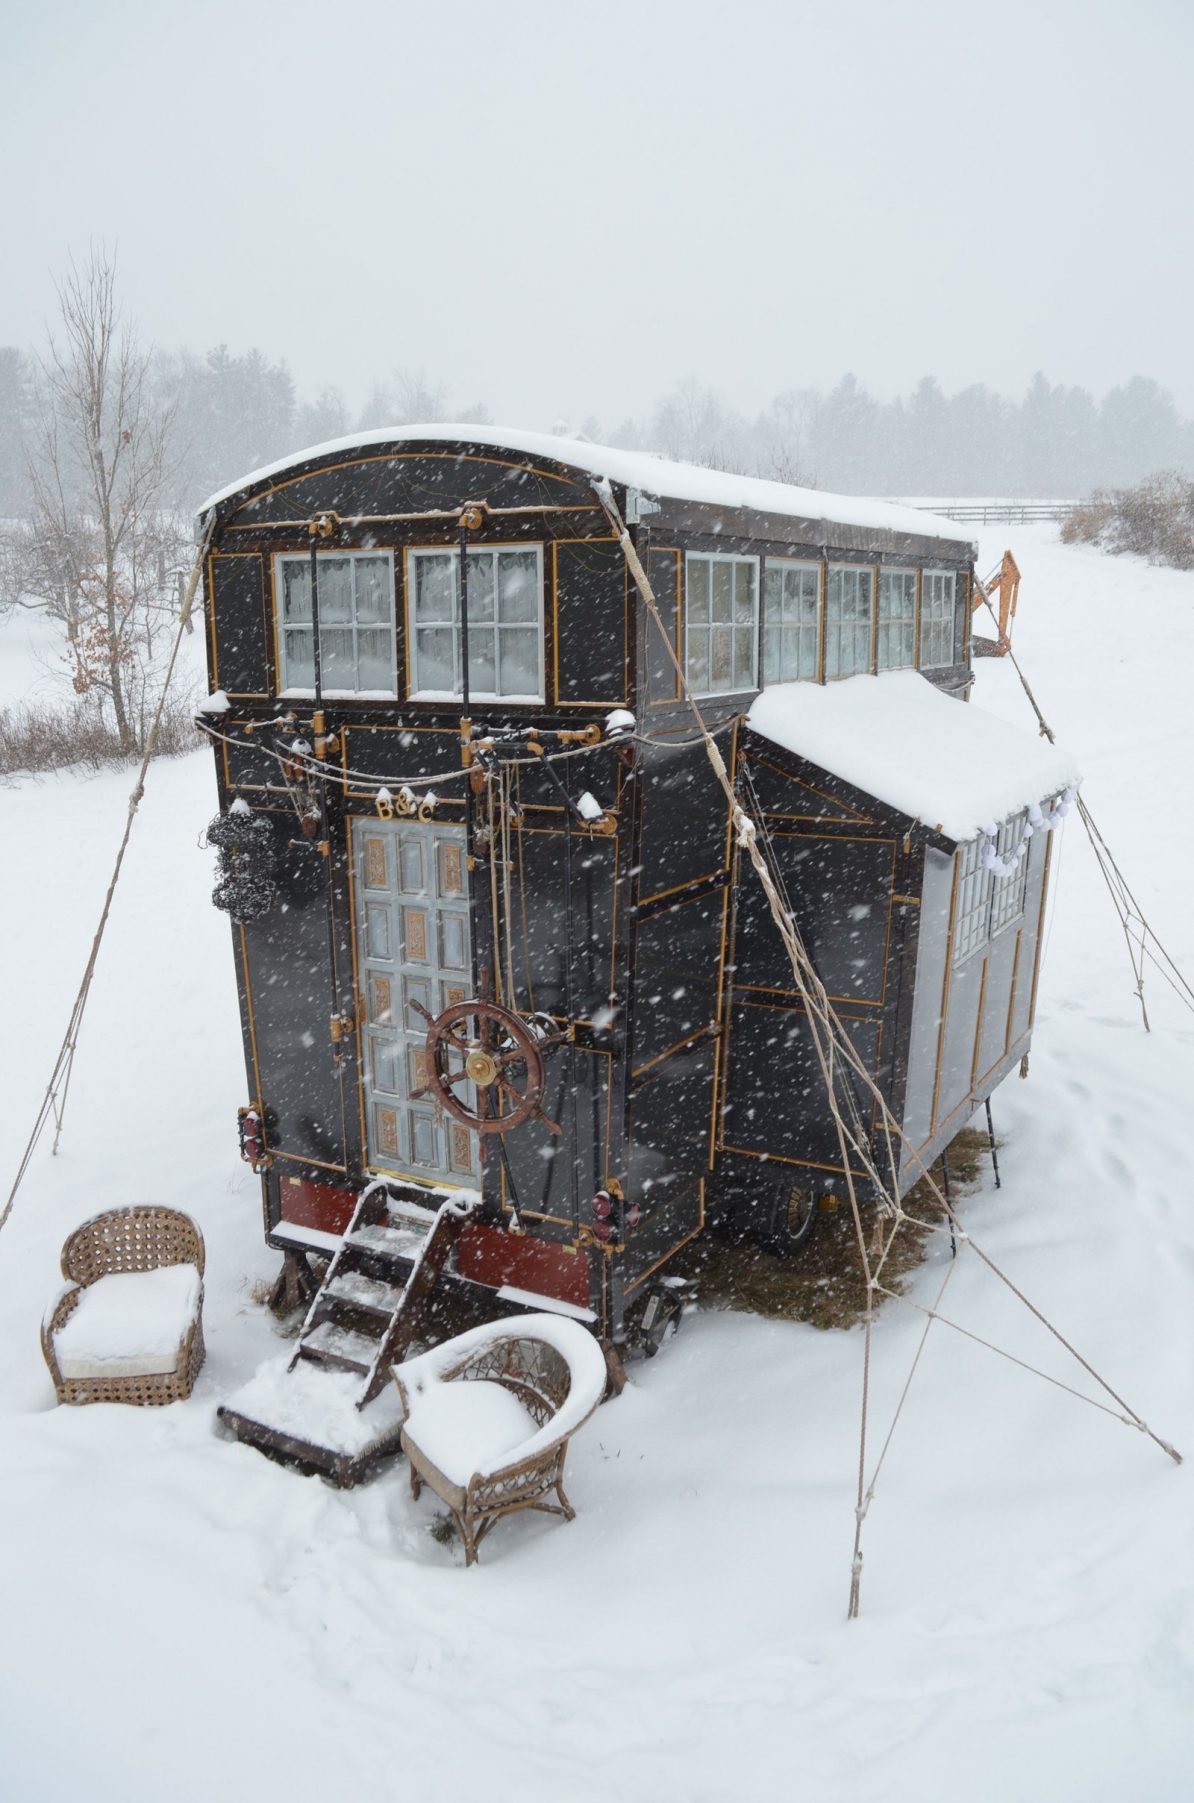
(823, 1285)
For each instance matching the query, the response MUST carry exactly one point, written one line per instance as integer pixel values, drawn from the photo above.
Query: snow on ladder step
(331, 1343)
(360, 1291)
(381, 1236)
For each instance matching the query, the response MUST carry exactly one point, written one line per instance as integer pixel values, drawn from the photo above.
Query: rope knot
(744, 826)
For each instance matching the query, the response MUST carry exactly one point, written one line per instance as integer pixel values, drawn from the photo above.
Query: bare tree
(411, 397)
(100, 548)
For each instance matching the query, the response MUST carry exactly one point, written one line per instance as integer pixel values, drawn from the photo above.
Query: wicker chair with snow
(129, 1325)
(489, 1416)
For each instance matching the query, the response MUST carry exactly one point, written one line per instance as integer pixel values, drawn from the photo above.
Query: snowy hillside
(182, 1619)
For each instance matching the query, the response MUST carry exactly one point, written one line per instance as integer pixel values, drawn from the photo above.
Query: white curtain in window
(936, 619)
(849, 620)
(791, 622)
(356, 623)
(505, 638)
(895, 638)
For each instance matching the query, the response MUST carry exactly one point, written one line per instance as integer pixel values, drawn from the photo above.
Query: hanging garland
(1036, 822)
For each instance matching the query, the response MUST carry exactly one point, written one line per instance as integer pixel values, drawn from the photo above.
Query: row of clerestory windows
(818, 623)
(812, 622)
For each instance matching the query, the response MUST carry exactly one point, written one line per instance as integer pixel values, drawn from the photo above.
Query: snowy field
(183, 1620)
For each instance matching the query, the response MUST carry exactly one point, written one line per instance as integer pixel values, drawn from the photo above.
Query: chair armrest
(57, 1314)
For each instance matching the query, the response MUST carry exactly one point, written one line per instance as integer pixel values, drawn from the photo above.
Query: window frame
(798, 627)
(732, 558)
(928, 577)
(855, 569)
(515, 698)
(282, 626)
(1015, 884)
(898, 620)
(986, 904)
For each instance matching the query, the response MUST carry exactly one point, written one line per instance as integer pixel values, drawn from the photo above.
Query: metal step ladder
(368, 1309)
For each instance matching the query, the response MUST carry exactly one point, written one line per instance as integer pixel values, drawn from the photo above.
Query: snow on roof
(636, 469)
(937, 759)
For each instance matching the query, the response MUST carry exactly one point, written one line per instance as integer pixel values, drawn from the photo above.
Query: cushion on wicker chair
(129, 1324)
(468, 1427)
(487, 1455)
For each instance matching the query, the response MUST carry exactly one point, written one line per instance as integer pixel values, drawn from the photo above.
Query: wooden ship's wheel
(496, 1050)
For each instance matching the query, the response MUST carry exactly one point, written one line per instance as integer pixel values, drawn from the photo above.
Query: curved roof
(654, 476)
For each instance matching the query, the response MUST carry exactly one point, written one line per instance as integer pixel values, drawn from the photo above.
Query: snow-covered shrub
(1155, 519)
(56, 735)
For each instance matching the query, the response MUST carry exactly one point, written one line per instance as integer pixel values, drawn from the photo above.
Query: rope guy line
(1123, 900)
(829, 1039)
(53, 1103)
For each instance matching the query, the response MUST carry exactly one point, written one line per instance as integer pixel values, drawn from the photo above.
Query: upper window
(1007, 892)
(936, 619)
(849, 620)
(791, 621)
(986, 901)
(972, 910)
(356, 624)
(721, 622)
(895, 639)
(505, 623)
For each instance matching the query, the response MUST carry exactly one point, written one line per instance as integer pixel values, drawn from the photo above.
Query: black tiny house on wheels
(491, 926)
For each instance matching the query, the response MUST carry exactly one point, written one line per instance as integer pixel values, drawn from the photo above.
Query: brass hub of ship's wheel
(501, 1054)
(482, 1067)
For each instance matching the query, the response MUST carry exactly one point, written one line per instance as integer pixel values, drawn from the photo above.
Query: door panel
(412, 910)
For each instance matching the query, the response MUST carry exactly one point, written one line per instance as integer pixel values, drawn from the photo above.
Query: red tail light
(252, 1136)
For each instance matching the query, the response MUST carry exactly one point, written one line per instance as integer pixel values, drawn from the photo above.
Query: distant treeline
(232, 413)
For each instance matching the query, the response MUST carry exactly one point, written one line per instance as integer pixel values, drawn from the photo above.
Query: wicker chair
(128, 1240)
(552, 1367)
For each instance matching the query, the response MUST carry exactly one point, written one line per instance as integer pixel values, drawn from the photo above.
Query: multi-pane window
(936, 619)
(721, 622)
(791, 621)
(895, 640)
(1007, 896)
(849, 620)
(505, 623)
(972, 911)
(356, 623)
(986, 901)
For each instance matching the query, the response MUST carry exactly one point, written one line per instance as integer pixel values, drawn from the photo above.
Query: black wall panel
(591, 621)
(242, 627)
(839, 890)
(684, 817)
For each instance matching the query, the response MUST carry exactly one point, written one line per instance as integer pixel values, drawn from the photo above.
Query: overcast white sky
(564, 208)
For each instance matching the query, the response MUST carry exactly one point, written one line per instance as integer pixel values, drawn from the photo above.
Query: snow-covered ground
(182, 1619)
(33, 665)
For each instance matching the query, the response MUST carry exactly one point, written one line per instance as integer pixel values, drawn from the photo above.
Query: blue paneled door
(412, 920)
